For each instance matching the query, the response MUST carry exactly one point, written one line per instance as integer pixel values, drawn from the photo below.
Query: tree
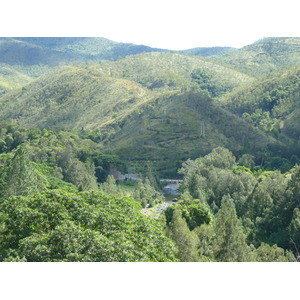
(247, 160)
(294, 232)
(205, 236)
(110, 186)
(145, 194)
(220, 158)
(22, 178)
(267, 253)
(229, 241)
(185, 240)
(193, 211)
(293, 194)
(81, 174)
(84, 226)
(201, 175)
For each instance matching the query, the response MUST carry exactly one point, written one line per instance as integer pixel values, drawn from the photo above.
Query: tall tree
(230, 241)
(185, 240)
(22, 178)
(110, 187)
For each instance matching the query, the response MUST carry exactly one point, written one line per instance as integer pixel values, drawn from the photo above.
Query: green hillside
(173, 128)
(89, 48)
(70, 98)
(11, 79)
(92, 95)
(50, 42)
(269, 102)
(35, 56)
(265, 56)
(171, 71)
(262, 57)
(14, 52)
(101, 48)
(136, 122)
(213, 52)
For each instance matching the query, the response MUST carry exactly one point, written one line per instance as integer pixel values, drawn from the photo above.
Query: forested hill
(162, 107)
(265, 56)
(15, 52)
(90, 48)
(213, 52)
(173, 128)
(271, 104)
(171, 71)
(11, 79)
(35, 56)
(93, 95)
(112, 95)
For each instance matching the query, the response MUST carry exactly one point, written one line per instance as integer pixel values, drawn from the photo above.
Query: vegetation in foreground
(55, 208)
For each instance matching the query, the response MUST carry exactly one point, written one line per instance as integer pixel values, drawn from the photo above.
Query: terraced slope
(173, 128)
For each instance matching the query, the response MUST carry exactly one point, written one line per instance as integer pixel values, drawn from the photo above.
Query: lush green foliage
(60, 160)
(272, 105)
(248, 217)
(87, 226)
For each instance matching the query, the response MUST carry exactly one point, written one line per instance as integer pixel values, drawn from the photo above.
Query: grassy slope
(265, 56)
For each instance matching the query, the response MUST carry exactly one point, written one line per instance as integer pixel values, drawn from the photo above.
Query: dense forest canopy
(91, 130)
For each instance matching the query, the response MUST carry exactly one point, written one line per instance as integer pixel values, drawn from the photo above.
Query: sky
(174, 25)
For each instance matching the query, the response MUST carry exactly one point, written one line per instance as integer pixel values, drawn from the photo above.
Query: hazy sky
(167, 24)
